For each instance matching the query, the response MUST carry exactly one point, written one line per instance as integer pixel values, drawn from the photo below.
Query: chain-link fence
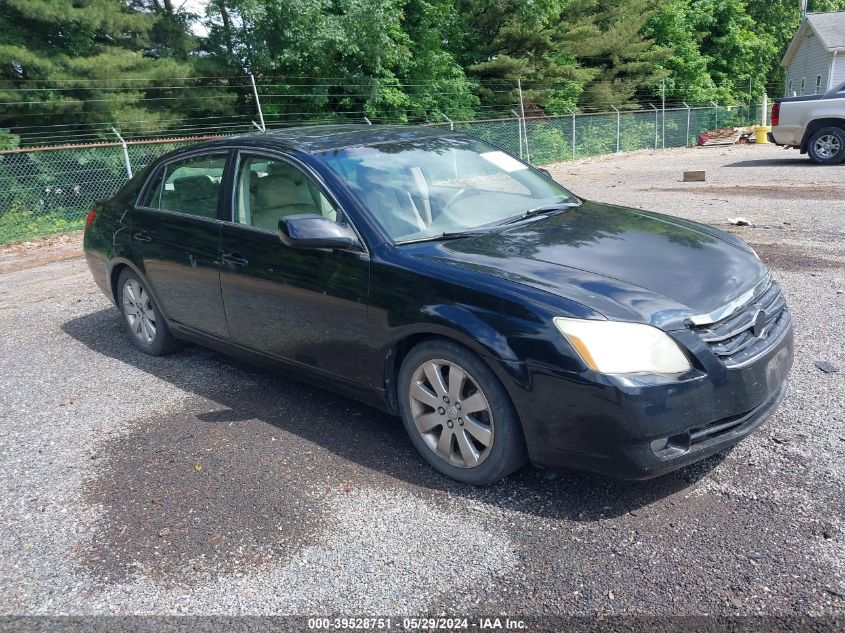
(47, 190)
(545, 140)
(50, 190)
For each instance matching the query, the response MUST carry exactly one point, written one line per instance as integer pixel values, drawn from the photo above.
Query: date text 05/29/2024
(417, 624)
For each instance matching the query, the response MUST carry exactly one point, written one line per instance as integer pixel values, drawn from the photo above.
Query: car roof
(320, 138)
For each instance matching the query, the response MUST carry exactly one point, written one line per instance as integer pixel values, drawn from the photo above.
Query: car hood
(624, 263)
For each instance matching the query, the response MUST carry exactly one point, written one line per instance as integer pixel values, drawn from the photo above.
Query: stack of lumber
(726, 136)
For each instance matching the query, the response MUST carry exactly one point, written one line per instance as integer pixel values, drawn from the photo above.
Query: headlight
(613, 347)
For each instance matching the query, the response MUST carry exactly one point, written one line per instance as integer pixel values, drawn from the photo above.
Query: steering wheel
(460, 193)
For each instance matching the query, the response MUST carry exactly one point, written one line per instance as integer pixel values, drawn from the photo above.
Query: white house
(815, 60)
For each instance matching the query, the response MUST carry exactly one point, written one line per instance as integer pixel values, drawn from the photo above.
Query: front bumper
(608, 424)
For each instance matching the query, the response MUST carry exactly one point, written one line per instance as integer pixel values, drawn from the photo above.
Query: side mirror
(545, 172)
(316, 231)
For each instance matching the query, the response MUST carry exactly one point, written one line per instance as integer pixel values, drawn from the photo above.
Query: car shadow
(775, 162)
(361, 434)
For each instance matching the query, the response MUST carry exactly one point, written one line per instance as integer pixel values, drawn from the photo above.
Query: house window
(789, 92)
(803, 86)
(818, 84)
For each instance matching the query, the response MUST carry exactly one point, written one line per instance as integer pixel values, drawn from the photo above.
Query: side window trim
(226, 152)
(248, 152)
(148, 184)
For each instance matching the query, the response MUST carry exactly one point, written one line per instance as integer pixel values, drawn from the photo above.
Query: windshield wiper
(449, 235)
(546, 208)
(454, 235)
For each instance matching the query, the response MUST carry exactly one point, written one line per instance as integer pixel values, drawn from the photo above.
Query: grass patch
(16, 225)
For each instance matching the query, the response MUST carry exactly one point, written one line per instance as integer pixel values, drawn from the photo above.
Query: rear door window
(191, 186)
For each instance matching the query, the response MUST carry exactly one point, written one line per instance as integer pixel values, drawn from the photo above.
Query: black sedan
(445, 281)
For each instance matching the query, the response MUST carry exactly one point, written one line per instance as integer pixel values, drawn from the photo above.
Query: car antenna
(368, 121)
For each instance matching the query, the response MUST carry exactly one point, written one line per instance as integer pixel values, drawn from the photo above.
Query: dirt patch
(786, 257)
(37, 252)
(802, 191)
(187, 496)
(238, 476)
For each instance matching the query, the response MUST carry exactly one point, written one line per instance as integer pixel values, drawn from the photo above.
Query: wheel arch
(815, 126)
(117, 266)
(495, 353)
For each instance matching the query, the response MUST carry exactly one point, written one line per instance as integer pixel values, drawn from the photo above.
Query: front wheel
(458, 415)
(144, 323)
(827, 146)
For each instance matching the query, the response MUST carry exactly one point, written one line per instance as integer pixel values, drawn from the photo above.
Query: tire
(478, 446)
(827, 146)
(142, 319)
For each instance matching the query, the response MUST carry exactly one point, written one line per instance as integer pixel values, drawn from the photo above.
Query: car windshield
(434, 187)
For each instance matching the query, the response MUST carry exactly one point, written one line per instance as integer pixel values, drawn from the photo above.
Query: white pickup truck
(815, 124)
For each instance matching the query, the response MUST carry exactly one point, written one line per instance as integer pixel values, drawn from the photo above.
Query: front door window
(269, 189)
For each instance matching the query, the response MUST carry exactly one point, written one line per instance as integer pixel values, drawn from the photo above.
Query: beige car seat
(283, 191)
(393, 207)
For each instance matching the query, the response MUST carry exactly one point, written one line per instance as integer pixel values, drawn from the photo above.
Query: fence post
(618, 129)
(656, 124)
(573, 132)
(764, 111)
(663, 118)
(524, 124)
(750, 97)
(257, 102)
(454, 153)
(525, 138)
(518, 130)
(716, 105)
(689, 121)
(125, 152)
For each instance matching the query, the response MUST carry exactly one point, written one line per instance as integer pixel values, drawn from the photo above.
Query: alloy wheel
(827, 146)
(139, 311)
(451, 413)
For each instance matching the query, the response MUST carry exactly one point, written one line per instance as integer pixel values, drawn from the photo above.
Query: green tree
(69, 70)
(317, 58)
(592, 51)
(688, 68)
(502, 41)
(615, 45)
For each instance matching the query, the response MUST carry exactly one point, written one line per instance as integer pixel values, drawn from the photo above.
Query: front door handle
(142, 237)
(236, 259)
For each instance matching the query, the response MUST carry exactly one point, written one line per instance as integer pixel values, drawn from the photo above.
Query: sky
(198, 7)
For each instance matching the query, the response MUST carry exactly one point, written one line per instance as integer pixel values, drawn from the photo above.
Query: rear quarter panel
(106, 241)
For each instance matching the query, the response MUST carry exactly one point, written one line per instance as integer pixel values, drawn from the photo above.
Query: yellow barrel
(761, 132)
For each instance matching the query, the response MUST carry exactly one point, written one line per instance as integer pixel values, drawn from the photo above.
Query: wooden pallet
(724, 137)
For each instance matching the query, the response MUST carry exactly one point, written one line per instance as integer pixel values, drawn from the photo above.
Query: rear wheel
(458, 415)
(144, 323)
(827, 146)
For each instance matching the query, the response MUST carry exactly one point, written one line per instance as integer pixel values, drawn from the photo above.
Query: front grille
(733, 339)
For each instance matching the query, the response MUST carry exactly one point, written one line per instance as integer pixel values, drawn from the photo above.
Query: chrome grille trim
(731, 307)
(732, 339)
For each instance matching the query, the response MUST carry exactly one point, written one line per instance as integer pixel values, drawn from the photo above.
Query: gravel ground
(193, 484)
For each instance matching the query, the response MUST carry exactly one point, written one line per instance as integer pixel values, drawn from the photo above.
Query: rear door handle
(236, 259)
(142, 237)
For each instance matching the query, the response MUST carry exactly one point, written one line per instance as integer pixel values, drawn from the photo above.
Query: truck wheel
(827, 146)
